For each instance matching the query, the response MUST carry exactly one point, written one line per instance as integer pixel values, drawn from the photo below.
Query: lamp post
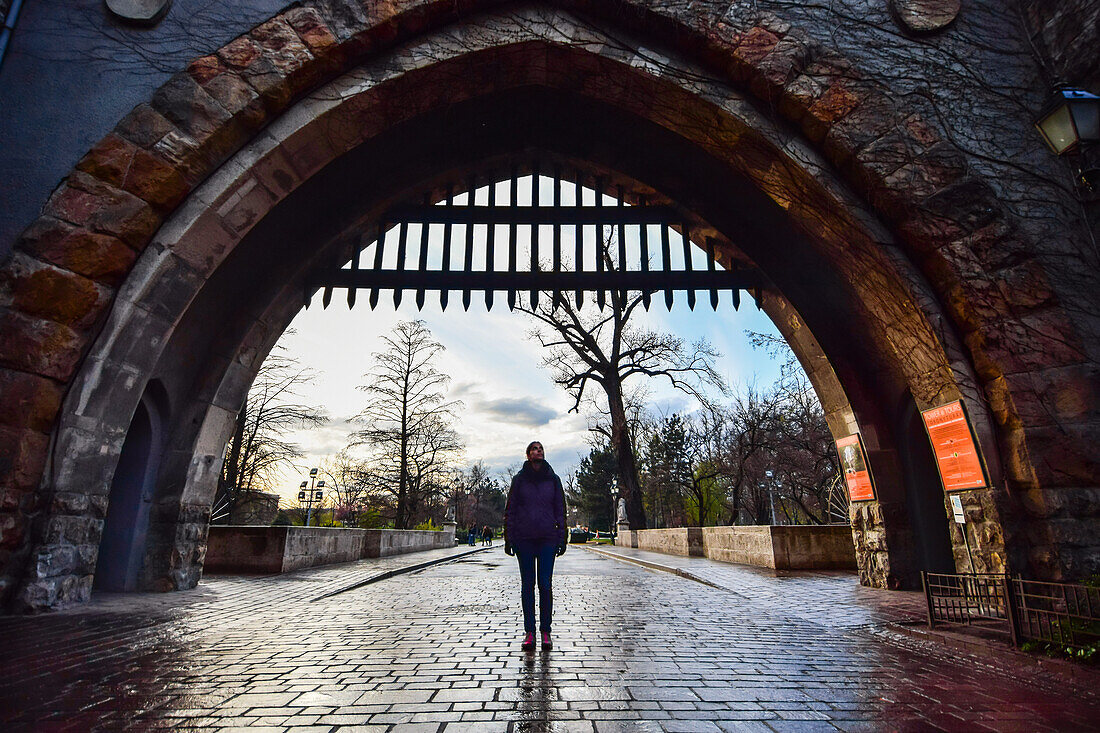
(1069, 124)
(771, 495)
(614, 517)
(315, 491)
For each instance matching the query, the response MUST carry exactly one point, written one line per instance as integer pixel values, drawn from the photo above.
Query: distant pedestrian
(472, 536)
(535, 532)
(487, 536)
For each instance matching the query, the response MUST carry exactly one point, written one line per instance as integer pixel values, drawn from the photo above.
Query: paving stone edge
(986, 649)
(655, 566)
(398, 571)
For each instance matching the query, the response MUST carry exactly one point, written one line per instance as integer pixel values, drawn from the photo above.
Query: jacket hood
(547, 469)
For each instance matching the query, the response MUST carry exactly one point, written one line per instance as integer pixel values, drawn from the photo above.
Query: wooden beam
(532, 215)
(542, 280)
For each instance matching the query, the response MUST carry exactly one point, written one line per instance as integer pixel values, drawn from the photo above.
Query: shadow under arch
(226, 274)
(123, 544)
(308, 231)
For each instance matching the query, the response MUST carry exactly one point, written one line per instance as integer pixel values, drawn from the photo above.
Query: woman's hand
(561, 549)
(508, 550)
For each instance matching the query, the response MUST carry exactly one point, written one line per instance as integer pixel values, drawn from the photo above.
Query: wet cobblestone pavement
(437, 650)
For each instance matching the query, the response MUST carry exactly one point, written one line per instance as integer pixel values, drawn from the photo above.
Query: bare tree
(408, 419)
(478, 497)
(258, 445)
(604, 348)
(740, 450)
(802, 453)
(354, 488)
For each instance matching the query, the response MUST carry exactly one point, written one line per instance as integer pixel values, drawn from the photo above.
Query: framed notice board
(857, 472)
(957, 455)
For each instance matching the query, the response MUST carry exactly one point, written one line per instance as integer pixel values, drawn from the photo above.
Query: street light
(771, 495)
(1069, 124)
(616, 491)
(308, 495)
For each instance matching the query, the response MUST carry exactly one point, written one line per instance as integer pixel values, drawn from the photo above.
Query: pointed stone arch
(137, 251)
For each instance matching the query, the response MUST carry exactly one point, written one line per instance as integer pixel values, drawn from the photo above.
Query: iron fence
(972, 599)
(1057, 613)
(1065, 614)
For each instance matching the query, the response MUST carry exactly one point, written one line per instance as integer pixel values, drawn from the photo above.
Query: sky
(508, 398)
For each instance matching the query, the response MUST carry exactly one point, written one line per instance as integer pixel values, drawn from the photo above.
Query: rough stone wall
(89, 56)
(1067, 34)
(1027, 320)
(952, 167)
(401, 541)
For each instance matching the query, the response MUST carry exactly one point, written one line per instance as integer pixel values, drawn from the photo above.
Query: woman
(534, 531)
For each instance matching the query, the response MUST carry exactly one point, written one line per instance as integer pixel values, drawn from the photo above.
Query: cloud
(462, 390)
(520, 411)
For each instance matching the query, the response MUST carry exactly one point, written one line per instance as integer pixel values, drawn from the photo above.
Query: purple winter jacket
(536, 507)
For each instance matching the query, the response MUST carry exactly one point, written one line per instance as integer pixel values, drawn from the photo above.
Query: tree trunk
(401, 519)
(231, 471)
(624, 458)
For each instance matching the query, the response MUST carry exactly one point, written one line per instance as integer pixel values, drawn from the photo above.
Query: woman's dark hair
(531, 445)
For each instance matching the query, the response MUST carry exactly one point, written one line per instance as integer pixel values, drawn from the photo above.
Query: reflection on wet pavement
(439, 650)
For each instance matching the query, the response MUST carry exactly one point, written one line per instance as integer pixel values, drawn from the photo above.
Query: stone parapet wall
(386, 542)
(745, 545)
(284, 548)
(686, 541)
(813, 548)
(306, 547)
(780, 547)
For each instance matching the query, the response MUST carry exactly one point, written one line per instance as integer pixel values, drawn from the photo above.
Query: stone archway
(874, 303)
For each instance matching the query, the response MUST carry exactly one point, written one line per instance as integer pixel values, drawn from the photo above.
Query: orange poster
(956, 451)
(853, 461)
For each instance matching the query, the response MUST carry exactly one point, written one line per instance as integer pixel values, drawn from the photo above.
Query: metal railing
(972, 599)
(1057, 613)
(1064, 614)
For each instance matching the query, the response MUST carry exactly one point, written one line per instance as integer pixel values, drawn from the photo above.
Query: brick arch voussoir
(111, 205)
(108, 209)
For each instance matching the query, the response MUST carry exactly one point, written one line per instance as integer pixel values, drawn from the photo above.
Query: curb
(399, 571)
(656, 566)
(993, 650)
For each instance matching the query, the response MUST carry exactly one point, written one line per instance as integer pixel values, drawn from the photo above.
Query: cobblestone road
(437, 650)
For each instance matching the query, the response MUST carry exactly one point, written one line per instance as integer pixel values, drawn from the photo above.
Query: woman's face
(535, 452)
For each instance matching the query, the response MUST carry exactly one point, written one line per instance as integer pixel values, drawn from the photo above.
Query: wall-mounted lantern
(1071, 118)
(1069, 124)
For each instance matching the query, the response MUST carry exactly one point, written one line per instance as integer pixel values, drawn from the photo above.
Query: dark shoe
(546, 643)
(528, 642)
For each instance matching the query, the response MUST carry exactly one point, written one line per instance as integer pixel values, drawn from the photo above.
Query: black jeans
(536, 565)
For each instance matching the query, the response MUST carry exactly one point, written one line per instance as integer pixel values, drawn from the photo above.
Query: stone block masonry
(781, 547)
(914, 222)
(232, 549)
